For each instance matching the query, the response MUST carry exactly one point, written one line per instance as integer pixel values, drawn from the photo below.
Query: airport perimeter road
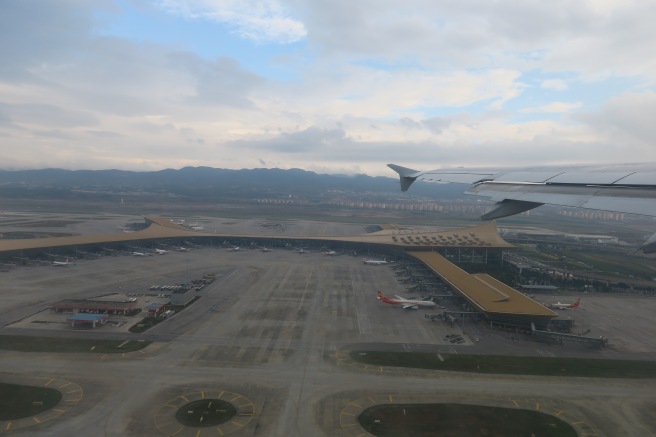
(270, 336)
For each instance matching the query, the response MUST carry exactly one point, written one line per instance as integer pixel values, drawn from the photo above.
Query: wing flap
(626, 200)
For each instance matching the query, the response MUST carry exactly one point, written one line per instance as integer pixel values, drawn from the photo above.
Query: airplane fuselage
(374, 262)
(565, 306)
(406, 303)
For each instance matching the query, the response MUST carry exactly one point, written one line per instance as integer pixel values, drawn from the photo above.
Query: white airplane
(182, 249)
(68, 262)
(234, 249)
(161, 251)
(407, 303)
(196, 226)
(140, 254)
(629, 188)
(329, 252)
(565, 306)
(374, 262)
(301, 251)
(266, 249)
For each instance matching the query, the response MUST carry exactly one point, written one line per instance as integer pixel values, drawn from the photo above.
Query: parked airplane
(262, 248)
(234, 249)
(329, 252)
(182, 249)
(627, 188)
(68, 262)
(565, 306)
(161, 251)
(301, 251)
(374, 262)
(140, 254)
(407, 303)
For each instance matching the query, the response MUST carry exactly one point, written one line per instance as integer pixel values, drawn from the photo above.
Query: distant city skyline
(330, 87)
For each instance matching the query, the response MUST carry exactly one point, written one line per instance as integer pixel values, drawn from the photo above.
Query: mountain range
(200, 183)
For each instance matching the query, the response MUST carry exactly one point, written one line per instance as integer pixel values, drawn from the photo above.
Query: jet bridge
(548, 335)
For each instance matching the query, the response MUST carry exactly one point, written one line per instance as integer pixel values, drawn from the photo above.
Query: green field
(455, 420)
(511, 365)
(19, 401)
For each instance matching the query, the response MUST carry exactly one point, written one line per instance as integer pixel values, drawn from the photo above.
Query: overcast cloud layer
(332, 86)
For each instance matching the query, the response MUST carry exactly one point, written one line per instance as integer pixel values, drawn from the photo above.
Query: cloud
(554, 84)
(628, 120)
(257, 20)
(34, 33)
(47, 115)
(305, 141)
(422, 83)
(220, 82)
(554, 107)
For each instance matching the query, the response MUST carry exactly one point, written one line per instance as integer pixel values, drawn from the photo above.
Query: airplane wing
(627, 188)
(411, 306)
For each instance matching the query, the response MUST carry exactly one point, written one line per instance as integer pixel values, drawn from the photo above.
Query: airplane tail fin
(381, 296)
(576, 304)
(406, 175)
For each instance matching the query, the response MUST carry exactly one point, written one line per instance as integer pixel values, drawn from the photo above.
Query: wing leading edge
(628, 189)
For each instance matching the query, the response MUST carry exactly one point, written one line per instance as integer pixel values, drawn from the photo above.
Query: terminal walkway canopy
(499, 302)
(481, 236)
(158, 228)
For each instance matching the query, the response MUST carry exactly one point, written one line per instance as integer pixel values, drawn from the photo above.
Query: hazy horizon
(330, 87)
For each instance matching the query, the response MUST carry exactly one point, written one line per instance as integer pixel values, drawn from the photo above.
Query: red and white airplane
(68, 262)
(407, 303)
(566, 306)
(374, 262)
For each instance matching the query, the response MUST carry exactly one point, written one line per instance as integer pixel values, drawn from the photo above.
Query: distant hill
(201, 183)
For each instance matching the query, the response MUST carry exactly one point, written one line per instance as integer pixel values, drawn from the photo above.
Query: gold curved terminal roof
(483, 291)
(155, 230)
(484, 235)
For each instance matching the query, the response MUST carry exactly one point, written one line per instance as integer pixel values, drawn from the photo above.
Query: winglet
(407, 175)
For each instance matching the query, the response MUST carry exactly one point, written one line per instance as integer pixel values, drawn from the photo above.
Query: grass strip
(420, 420)
(19, 401)
(587, 367)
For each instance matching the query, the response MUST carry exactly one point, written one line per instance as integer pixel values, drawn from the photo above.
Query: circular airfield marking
(166, 422)
(71, 396)
(348, 418)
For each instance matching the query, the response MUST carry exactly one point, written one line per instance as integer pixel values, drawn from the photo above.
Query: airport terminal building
(495, 301)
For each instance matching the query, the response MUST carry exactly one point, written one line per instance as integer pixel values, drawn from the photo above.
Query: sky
(331, 86)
